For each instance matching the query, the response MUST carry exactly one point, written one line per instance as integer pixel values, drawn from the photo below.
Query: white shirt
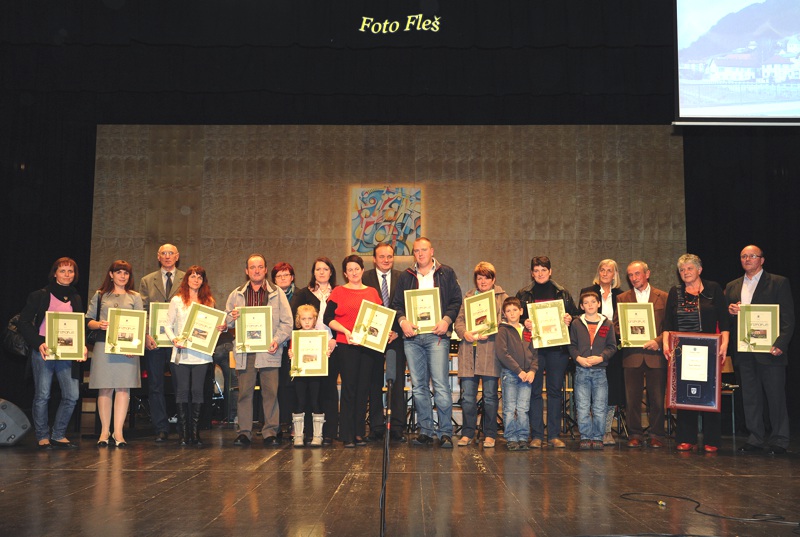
(607, 305)
(642, 296)
(164, 278)
(426, 281)
(749, 287)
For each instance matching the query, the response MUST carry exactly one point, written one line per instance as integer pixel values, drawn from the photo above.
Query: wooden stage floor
(165, 490)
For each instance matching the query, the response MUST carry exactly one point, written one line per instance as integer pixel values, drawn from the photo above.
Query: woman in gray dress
(113, 372)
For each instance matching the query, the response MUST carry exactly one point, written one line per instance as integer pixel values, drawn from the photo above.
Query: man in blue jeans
(428, 354)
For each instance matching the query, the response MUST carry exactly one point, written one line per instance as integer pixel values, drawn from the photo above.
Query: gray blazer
(151, 287)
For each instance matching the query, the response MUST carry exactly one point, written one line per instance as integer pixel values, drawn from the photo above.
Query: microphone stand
(386, 437)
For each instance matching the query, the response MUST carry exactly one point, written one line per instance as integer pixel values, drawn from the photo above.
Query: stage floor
(151, 489)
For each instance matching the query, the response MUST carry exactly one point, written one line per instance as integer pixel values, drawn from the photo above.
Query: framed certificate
(126, 330)
(423, 308)
(758, 327)
(310, 350)
(200, 331)
(373, 325)
(694, 373)
(549, 329)
(254, 329)
(481, 313)
(637, 323)
(158, 323)
(65, 335)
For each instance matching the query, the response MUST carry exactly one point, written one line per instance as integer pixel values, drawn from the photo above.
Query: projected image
(739, 59)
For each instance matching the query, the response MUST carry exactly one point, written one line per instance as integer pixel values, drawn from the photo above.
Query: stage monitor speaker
(14, 424)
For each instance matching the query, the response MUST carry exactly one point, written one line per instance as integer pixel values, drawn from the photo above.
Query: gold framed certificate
(126, 330)
(373, 325)
(694, 373)
(310, 351)
(481, 313)
(423, 308)
(254, 329)
(158, 322)
(758, 326)
(549, 329)
(200, 331)
(65, 335)
(637, 323)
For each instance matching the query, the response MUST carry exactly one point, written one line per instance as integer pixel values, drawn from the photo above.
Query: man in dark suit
(159, 286)
(384, 279)
(763, 374)
(647, 362)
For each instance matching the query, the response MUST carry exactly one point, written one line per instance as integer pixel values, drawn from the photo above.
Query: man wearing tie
(384, 279)
(159, 286)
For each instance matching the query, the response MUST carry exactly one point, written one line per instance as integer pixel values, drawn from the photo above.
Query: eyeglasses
(167, 254)
(283, 276)
(749, 256)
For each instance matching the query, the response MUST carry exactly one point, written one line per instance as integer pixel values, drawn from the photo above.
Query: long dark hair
(203, 294)
(108, 283)
(313, 282)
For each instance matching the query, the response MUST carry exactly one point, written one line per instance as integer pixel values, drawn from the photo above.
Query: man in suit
(647, 362)
(384, 278)
(159, 286)
(763, 374)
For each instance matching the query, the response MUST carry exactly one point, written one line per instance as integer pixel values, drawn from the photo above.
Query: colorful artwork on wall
(385, 214)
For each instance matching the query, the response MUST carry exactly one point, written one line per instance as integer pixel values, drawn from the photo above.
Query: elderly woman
(355, 361)
(60, 296)
(606, 284)
(696, 305)
(478, 364)
(113, 374)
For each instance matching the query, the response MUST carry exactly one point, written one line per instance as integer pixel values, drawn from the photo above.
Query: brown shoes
(558, 443)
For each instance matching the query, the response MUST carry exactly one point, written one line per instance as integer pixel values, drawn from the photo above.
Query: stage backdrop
(496, 193)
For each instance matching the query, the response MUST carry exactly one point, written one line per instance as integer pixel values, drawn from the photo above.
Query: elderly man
(159, 286)
(258, 291)
(428, 354)
(763, 374)
(644, 363)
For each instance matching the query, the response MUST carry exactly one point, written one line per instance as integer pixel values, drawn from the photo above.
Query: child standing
(592, 344)
(519, 364)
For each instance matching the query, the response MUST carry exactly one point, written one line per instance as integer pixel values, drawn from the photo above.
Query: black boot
(183, 423)
(195, 427)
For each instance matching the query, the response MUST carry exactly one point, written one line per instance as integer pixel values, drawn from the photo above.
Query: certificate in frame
(126, 330)
(158, 323)
(637, 323)
(254, 329)
(423, 308)
(694, 373)
(373, 325)
(549, 329)
(200, 331)
(310, 351)
(758, 326)
(481, 313)
(65, 335)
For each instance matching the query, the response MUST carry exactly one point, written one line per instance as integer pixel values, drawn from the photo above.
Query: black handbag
(13, 342)
(91, 335)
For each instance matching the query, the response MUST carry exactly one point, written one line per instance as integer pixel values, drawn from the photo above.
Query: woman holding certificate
(59, 296)
(355, 361)
(476, 359)
(190, 365)
(109, 372)
(697, 306)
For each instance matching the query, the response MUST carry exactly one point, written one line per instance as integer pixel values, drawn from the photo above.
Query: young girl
(307, 388)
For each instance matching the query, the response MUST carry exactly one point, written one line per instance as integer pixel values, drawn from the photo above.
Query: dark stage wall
(67, 66)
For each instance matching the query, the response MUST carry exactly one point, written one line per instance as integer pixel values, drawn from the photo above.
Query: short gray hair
(689, 258)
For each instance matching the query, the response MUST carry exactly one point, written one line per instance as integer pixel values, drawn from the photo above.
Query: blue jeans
(469, 405)
(516, 402)
(591, 400)
(554, 361)
(43, 372)
(428, 358)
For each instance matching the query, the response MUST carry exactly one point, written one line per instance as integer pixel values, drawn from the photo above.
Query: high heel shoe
(112, 440)
(103, 443)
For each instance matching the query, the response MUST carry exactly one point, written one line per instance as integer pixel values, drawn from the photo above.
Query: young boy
(592, 344)
(519, 361)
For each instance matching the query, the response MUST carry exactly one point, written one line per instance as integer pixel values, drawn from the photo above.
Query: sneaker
(586, 444)
(597, 445)
(522, 446)
(422, 440)
(557, 443)
(446, 442)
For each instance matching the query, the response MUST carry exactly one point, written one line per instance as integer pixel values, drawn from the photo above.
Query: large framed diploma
(65, 335)
(254, 329)
(126, 330)
(637, 323)
(200, 331)
(549, 329)
(481, 313)
(310, 350)
(158, 323)
(758, 327)
(423, 308)
(694, 373)
(373, 325)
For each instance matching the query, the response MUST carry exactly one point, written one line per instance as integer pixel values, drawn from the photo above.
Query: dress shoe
(161, 437)
(327, 441)
(46, 446)
(634, 443)
(710, 449)
(272, 441)
(361, 442)
(122, 445)
(375, 436)
(423, 440)
(558, 443)
(489, 442)
(536, 443)
(241, 440)
(776, 450)
(464, 441)
(66, 444)
(102, 443)
(656, 443)
(446, 442)
(748, 448)
(684, 447)
(398, 437)
(349, 445)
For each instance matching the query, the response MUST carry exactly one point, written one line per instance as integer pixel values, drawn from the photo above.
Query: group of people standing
(605, 377)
